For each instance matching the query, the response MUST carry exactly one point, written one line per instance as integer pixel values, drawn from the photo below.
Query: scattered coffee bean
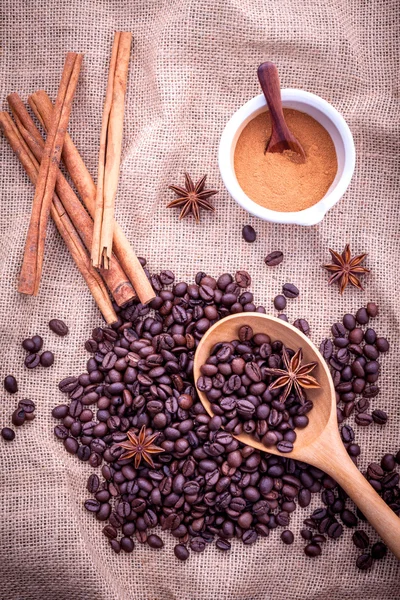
(287, 537)
(18, 417)
(290, 290)
(360, 539)
(379, 416)
(378, 551)
(10, 384)
(37, 342)
(249, 234)
(58, 327)
(302, 325)
(181, 552)
(280, 302)
(32, 361)
(274, 258)
(29, 345)
(8, 434)
(364, 562)
(28, 406)
(47, 359)
(312, 550)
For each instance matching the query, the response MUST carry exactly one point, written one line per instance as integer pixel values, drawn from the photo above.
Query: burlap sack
(193, 65)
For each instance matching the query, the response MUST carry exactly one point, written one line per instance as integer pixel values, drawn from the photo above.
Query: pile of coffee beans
(206, 486)
(236, 381)
(353, 356)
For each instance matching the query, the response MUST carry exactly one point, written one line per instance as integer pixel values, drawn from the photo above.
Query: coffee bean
(364, 562)
(280, 302)
(32, 361)
(8, 434)
(349, 322)
(378, 551)
(243, 279)
(312, 550)
(10, 384)
(302, 325)
(326, 349)
(18, 417)
(363, 419)
(348, 518)
(58, 327)
(388, 462)
(287, 537)
(249, 234)
(28, 406)
(223, 544)
(362, 316)
(29, 345)
(154, 541)
(290, 290)
(379, 416)
(360, 539)
(93, 483)
(181, 552)
(46, 359)
(274, 258)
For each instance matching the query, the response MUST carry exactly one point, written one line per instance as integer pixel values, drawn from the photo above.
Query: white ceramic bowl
(328, 117)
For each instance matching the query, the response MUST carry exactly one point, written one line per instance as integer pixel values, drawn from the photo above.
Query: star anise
(346, 269)
(192, 197)
(140, 446)
(295, 376)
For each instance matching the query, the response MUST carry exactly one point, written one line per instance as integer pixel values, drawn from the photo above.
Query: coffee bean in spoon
(10, 384)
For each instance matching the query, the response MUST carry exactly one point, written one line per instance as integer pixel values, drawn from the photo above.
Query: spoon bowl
(318, 444)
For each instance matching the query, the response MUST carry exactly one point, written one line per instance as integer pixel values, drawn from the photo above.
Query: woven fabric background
(193, 64)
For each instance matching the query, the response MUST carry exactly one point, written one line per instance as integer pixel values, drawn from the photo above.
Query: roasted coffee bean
(181, 552)
(8, 434)
(290, 290)
(302, 325)
(10, 384)
(379, 416)
(326, 349)
(274, 258)
(388, 462)
(46, 359)
(364, 562)
(287, 537)
(32, 361)
(378, 550)
(312, 550)
(38, 343)
(154, 541)
(360, 539)
(362, 316)
(28, 406)
(18, 417)
(249, 234)
(93, 483)
(58, 327)
(29, 345)
(349, 518)
(363, 419)
(280, 302)
(243, 279)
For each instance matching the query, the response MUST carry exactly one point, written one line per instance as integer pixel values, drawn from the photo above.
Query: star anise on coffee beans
(192, 197)
(140, 446)
(346, 269)
(295, 376)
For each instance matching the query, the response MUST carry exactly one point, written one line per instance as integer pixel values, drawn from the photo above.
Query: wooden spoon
(281, 138)
(319, 443)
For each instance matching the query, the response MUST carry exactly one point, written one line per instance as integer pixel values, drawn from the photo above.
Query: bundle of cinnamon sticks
(86, 232)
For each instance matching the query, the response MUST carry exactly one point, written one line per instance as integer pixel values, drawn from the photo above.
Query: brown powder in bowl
(275, 180)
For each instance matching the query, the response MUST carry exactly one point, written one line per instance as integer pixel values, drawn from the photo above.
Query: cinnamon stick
(42, 106)
(62, 221)
(110, 150)
(32, 264)
(117, 281)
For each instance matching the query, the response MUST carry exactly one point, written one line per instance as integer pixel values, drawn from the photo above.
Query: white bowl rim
(309, 216)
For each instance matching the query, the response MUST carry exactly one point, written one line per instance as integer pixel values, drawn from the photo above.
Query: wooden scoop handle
(339, 465)
(269, 80)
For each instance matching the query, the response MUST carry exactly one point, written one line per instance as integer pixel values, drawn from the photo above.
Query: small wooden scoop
(319, 443)
(281, 138)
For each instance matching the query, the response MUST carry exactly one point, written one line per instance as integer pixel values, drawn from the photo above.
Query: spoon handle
(339, 465)
(269, 80)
